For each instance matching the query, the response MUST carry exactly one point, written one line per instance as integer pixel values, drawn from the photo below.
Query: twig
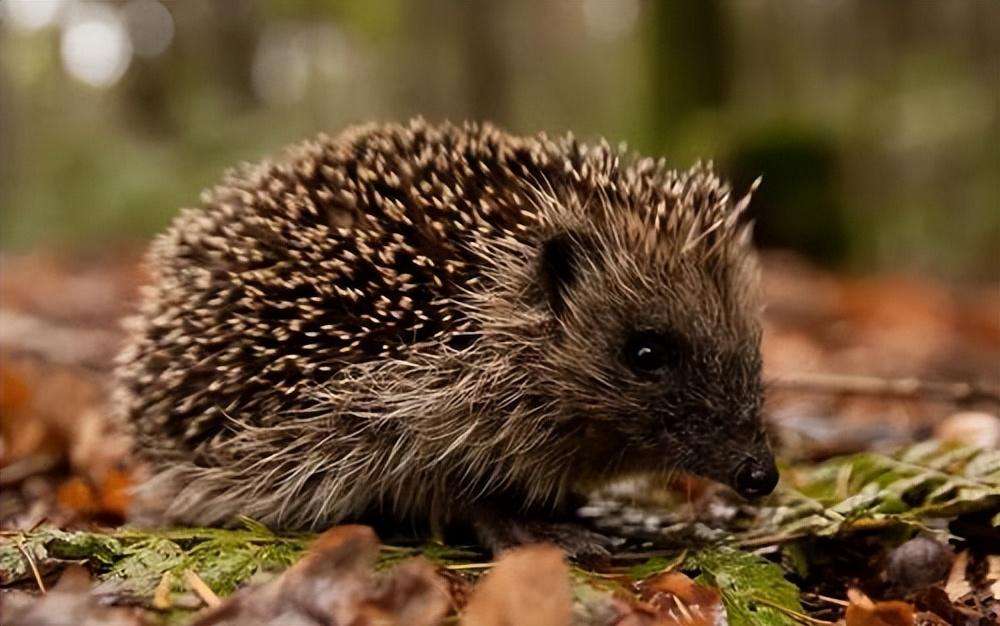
(683, 609)
(161, 596)
(773, 539)
(200, 589)
(831, 600)
(461, 566)
(642, 556)
(903, 388)
(800, 617)
(31, 563)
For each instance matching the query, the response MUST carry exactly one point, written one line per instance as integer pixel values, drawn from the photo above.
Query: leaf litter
(888, 511)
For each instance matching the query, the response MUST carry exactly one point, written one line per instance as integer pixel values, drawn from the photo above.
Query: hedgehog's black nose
(753, 479)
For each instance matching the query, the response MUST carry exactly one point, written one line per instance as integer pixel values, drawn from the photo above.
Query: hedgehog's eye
(648, 351)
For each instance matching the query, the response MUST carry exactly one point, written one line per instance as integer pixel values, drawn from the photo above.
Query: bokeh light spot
(150, 25)
(95, 46)
(31, 14)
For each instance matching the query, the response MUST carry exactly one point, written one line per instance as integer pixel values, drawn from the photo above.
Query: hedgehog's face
(660, 366)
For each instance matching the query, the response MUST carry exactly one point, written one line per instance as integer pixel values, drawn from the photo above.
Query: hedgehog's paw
(501, 533)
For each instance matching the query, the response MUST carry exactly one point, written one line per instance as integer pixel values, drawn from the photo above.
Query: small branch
(200, 589)
(461, 566)
(31, 563)
(642, 556)
(161, 596)
(903, 388)
(799, 617)
(770, 540)
(830, 600)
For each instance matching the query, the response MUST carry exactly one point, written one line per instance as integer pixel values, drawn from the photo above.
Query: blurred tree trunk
(7, 138)
(219, 50)
(455, 61)
(233, 41)
(688, 53)
(146, 95)
(426, 75)
(485, 61)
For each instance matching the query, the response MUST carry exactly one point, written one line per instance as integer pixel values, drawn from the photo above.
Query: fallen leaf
(412, 594)
(681, 601)
(116, 494)
(993, 574)
(923, 618)
(76, 495)
(528, 587)
(863, 611)
(14, 392)
(335, 584)
(110, 498)
(935, 601)
(958, 584)
(69, 601)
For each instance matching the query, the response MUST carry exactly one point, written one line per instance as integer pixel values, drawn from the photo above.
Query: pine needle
(203, 591)
(31, 563)
(161, 596)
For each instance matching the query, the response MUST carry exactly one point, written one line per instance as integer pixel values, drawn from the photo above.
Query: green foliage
(654, 565)
(754, 590)
(134, 561)
(863, 491)
(868, 490)
(50, 544)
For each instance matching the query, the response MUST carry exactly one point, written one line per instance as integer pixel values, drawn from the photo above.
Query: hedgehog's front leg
(499, 530)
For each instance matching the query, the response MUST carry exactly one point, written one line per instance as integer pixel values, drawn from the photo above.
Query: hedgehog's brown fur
(420, 319)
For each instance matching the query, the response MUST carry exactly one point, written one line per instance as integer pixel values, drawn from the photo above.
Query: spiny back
(376, 244)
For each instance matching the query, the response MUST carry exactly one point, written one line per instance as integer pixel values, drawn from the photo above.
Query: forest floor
(883, 401)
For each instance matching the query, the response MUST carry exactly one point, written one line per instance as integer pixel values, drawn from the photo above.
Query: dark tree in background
(875, 125)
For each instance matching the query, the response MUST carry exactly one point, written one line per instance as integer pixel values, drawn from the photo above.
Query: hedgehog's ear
(558, 269)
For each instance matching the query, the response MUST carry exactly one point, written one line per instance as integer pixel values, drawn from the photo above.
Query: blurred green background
(876, 125)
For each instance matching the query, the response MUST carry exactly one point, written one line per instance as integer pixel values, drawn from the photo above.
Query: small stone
(971, 428)
(918, 563)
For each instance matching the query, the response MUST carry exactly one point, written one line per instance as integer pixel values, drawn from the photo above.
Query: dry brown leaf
(610, 610)
(412, 594)
(680, 601)
(528, 587)
(993, 574)
(334, 584)
(110, 498)
(21, 433)
(77, 496)
(69, 602)
(958, 585)
(924, 618)
(56, 411)
(935, 601)
(863, 611)
(116, 492)
(14, 393)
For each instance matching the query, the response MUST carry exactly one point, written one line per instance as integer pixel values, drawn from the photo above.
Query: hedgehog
(447, 325)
